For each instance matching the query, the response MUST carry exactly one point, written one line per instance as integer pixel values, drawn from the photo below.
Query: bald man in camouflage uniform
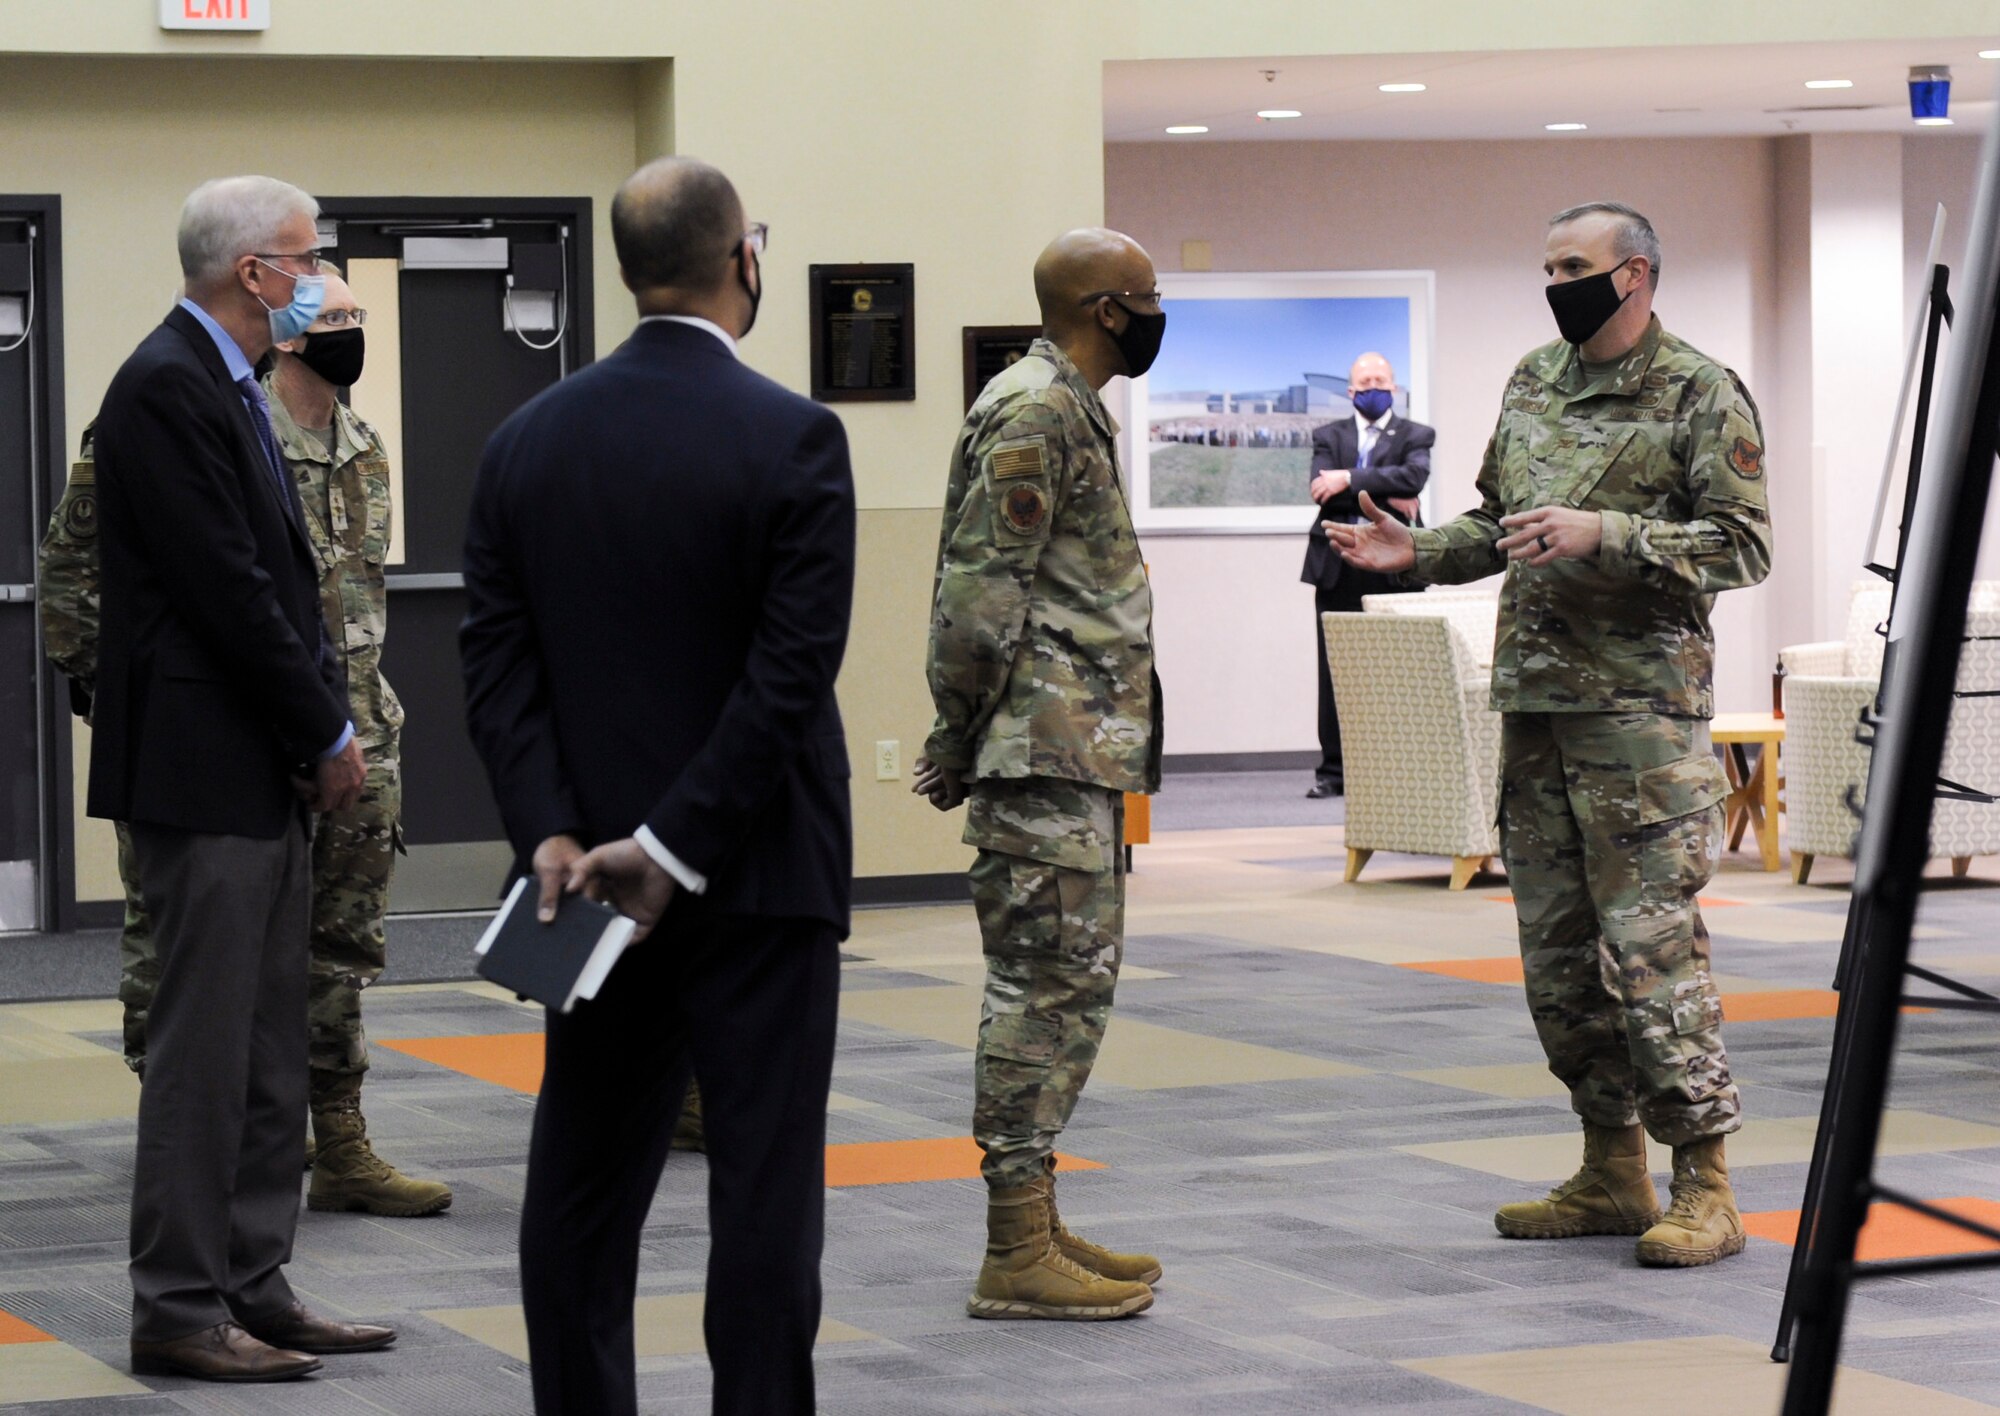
(342, 475)
(1623, 488)
(1041, 668)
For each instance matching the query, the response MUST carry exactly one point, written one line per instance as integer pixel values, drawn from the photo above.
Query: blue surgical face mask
(308, 295)
(1372, 403)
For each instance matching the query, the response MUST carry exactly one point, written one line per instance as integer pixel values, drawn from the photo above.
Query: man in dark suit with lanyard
(219, 720)
(1389, 458)
(659, 566)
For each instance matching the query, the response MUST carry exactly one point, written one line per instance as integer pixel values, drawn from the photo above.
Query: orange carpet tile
(505, 1059)
(901, 1162)
(13, 1330)
(1893, 1232)
(1762, 1006)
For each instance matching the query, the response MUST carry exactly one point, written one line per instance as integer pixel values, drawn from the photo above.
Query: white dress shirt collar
(699, 323)
(1380, 425)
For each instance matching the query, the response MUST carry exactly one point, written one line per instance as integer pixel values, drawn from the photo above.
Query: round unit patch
(1026, 508)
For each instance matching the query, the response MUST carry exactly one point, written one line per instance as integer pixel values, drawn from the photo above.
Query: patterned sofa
(1828, 684)
(1421, 748)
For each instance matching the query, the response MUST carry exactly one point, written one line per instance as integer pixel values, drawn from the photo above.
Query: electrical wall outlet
(888, 760)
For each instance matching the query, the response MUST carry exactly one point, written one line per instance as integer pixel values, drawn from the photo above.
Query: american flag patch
(1019, 459)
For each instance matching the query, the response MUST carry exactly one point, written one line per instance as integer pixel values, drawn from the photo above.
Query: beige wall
(959, 137)
(1475, 213)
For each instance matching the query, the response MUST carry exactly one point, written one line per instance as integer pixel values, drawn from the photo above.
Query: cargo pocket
(1016, 1051)
(1697, 1006)
(1680, 823)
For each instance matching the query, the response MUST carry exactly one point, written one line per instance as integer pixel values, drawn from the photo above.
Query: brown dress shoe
(303, 1331)
(223, 1353)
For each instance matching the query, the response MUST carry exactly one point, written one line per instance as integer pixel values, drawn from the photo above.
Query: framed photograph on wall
(1219, 432)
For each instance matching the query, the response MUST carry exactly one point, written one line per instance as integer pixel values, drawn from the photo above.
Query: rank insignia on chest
(1026, 508)
(1747, 458)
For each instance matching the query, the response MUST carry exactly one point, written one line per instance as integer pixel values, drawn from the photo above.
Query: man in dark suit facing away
(220, 719)
(1389, 458)
(659, 568)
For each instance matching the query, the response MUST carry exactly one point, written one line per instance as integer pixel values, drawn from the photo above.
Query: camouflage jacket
(1041, 648)
(1665, 445)
(348, 516)
(347, 509)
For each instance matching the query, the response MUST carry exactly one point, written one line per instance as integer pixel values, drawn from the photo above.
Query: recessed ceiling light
(1279, 113)
(1829, 83)
(1566, 127)
(1400, 88)
(1989, 54)
(1934, 122)
(1187, 128)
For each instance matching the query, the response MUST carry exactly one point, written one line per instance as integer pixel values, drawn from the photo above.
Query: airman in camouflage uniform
(1623, 488)
(342, 476)
(1041, 668)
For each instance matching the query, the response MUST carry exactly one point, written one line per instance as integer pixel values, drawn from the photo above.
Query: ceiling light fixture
(1566, 127)
(1934, 122)
(1180, 128)
(1279, 113)
(1829, 83)
(1989, 54)
(1400, 88)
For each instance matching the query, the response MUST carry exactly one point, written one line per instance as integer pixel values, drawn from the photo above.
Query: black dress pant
(222, 1111)
(749, 1005)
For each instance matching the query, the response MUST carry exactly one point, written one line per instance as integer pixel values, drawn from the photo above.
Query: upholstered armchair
(1828, 685)
(1421, 748)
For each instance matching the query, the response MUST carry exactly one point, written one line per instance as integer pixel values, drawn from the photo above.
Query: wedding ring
(1545, 544)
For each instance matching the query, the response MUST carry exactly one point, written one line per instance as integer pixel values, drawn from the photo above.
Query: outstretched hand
(1382, 543)
(621, 874)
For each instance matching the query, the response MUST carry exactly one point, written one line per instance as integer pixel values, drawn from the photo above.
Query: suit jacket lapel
(248, 444)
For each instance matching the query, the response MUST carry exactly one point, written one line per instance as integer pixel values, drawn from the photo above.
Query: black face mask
(756, 295)
(1139, 342)
(336, 355)
(1583, 307)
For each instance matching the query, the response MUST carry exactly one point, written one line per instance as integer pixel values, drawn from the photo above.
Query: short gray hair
(1635, 235)
(231, 217)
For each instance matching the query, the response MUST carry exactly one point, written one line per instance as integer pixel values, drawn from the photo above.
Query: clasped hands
(620, 874)
(943, 786)
(336, 782)
(1538, 536)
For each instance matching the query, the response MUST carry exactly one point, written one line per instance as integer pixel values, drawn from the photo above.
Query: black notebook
(555, 963)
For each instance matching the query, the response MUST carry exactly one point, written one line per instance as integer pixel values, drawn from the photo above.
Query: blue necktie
(260, 414)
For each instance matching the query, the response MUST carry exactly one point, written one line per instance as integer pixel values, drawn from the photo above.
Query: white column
(1856, 350)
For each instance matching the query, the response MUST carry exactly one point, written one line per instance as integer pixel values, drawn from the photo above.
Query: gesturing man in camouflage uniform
(1623, 487)
(1041, 667)
(342, 476)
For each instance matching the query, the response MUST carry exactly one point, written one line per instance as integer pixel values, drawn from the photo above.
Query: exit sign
(215, 14)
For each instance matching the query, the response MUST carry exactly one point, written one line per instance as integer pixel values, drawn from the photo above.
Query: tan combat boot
(1105, 1263)
(1611, 1194)
(1702, 1225)
(346, 1172)
(1026, 1276)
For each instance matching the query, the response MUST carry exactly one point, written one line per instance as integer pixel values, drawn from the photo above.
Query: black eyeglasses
(1144, 297)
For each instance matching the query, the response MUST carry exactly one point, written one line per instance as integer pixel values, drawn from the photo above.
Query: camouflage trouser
(1049, 889)
(1610, 825)
(353, 858)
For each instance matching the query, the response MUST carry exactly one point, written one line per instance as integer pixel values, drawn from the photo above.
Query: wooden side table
(1753, 788)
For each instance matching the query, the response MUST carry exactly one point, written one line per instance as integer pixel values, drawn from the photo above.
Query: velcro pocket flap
(1680, 789)
(1575, 490)
(1022, 1037)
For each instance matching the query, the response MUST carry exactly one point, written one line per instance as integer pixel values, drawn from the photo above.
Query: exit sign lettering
(215, 14)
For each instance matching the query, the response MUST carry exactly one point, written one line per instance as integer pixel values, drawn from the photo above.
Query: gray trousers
(222, 1107)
